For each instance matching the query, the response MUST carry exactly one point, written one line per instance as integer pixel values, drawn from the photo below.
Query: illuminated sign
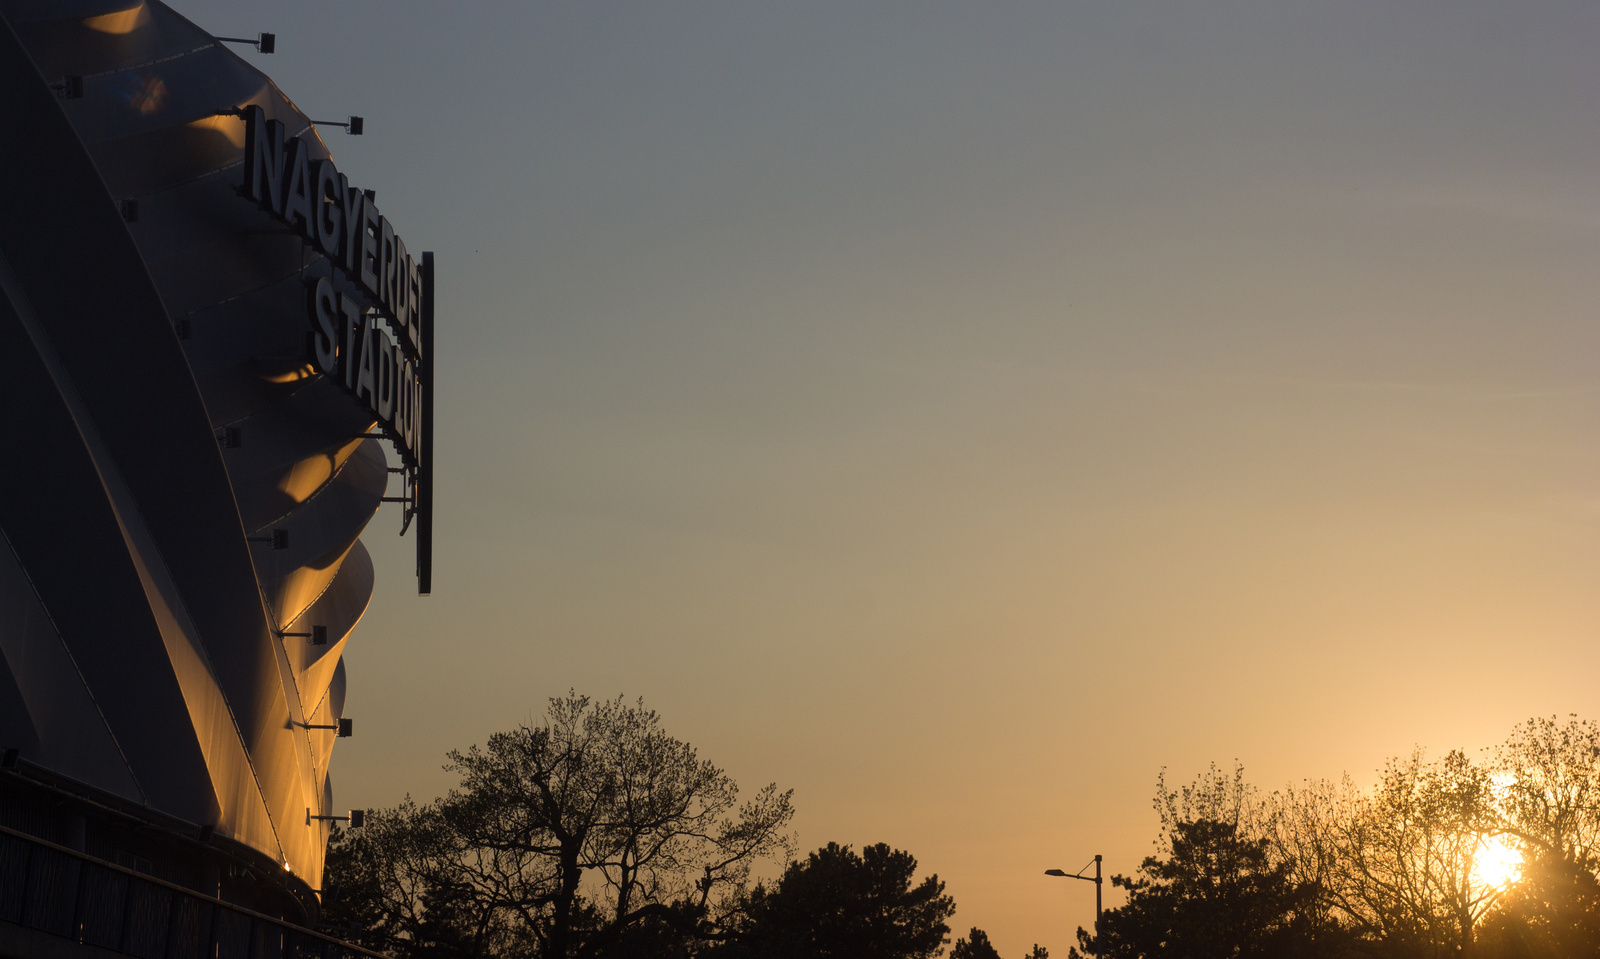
(373, 338)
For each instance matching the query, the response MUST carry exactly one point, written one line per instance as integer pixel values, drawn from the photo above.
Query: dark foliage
(595, 835)
(1216, 896)
(976, 945)
(840, 905)
(1552, 913)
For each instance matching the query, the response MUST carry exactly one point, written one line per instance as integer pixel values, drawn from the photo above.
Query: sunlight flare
(1499, 864)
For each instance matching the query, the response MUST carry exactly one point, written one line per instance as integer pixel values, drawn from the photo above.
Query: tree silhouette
(597, 794)
(1411, 854)
(601, 788)
(1547, 785)
(1552, 912)
(1215, 895)
(840, 905)
(1397, 869)
(1548, 777)
(399, 881)
(975, 946)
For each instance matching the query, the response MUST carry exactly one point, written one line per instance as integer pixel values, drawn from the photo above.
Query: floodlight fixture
(353, 126)
(356, 819)
(279, 539)
(346, 727)
(264, 43)
(317, 636)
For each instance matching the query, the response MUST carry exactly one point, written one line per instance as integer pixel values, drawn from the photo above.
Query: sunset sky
(960, 412)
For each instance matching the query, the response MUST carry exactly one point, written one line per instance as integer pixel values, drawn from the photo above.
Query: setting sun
(1498, 864)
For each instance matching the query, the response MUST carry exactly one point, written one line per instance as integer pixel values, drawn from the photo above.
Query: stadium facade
(214, 355)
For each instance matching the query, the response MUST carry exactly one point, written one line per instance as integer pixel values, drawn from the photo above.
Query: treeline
(1492, 858)
(596, 835)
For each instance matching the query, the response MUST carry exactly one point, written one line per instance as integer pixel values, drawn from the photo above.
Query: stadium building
(214, 369)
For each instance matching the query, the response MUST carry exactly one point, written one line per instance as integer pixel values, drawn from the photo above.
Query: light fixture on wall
(318, 636)
(356, 819)
(279, 539)
(264, 43)
(353, 126)
(346, 727)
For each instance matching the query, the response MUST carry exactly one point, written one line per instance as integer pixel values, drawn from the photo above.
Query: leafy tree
(1394, 872)
(1396, 867)
(593, 834)
(1546, 784)
(1407, 876)
(602, 789)
(1548, 789)
(840, 905)
(396, 879)
(1552, 912)
(1216, 894)
(1310, 829)
(1216, 795)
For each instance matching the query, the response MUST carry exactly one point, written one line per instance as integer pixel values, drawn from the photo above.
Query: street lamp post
(1094, 879)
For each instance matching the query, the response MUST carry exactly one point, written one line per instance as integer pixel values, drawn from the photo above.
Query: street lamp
(1094, 879)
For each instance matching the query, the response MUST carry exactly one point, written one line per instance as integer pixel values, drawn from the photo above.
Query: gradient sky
(959, 412)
